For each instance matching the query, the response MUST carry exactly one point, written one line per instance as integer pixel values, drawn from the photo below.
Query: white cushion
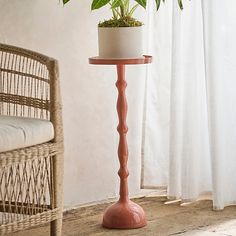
(18, 132)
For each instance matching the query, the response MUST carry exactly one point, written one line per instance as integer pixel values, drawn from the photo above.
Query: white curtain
(190, 117)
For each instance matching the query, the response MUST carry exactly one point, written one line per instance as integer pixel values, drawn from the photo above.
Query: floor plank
(196, 219)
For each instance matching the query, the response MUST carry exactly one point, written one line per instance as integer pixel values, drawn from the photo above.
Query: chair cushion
(18, 132)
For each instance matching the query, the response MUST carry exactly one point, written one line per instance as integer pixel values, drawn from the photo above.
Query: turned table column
(124, 214)
(122, 128)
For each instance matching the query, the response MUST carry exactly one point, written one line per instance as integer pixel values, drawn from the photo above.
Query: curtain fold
(192, 150)
(220, 50)
(157, 104)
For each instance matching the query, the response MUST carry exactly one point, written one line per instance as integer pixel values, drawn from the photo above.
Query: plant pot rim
(122, 27)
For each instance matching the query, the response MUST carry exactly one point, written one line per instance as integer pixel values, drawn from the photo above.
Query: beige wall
(89, 95)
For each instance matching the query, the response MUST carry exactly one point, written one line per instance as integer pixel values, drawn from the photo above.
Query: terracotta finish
(124, 214)
(134, 61)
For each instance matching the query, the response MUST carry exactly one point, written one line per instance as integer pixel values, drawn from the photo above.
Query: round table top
(126, 61)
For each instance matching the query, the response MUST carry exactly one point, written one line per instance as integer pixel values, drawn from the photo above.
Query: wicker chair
(31, 177)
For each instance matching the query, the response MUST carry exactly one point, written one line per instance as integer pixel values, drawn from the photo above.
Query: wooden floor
(196, 219)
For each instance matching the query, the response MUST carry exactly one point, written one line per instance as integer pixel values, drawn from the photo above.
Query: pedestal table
(124, 214)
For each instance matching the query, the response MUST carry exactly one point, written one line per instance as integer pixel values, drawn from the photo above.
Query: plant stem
(114, 13)
(122, 12)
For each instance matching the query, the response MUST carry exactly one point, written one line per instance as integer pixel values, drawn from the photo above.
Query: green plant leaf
(96, 4)
(143, 3)
(65, 1)
(181, 4)
(158, 3)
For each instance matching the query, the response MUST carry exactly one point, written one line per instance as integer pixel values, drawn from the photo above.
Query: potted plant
(121, 36)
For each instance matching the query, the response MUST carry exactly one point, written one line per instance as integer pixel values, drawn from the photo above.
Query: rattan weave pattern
(31, 178)
(31, 221)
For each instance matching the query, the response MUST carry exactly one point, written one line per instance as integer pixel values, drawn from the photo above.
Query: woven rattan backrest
(24, 83)
(31, 177)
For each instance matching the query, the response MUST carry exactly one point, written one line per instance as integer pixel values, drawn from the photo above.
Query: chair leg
(57, 196)
(56, 227)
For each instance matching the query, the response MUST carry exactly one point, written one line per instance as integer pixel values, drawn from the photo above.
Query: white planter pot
(120, 42)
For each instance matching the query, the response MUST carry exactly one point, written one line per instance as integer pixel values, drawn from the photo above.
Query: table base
(124, 215)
